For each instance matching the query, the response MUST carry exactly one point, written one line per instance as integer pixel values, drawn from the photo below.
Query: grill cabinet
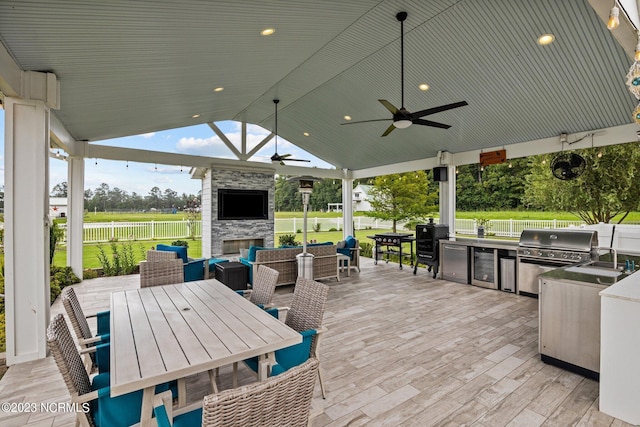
(428, 238)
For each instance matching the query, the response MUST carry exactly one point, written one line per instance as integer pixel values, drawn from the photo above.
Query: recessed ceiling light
(267, 31)
(218, 89)
(306, 134)
(546, 39)
(347, 117)
(195, 116)
(424, 86)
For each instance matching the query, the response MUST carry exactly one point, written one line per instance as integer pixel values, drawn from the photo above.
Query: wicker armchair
(104, 411)
(161, 268)
(284, 400)
(264, 285)
(86, 339)
(304, 316)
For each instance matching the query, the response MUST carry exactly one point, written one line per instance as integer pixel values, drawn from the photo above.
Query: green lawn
(90, 251)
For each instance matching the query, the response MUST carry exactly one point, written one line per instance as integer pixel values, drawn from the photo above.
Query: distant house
(361, 198)
(57, 207)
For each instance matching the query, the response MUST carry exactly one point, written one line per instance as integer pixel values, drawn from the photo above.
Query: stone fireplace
(224, 237)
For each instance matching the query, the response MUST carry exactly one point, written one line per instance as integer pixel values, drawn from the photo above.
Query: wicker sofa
(325, 262)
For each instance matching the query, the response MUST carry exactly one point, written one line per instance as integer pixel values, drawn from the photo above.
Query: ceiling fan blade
(295, 160)
(430, 123)
(389, 106)
(434, 110)
(365, 121)
(389, 130)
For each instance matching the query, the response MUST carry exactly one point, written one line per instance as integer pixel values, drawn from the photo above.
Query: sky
(141, 177)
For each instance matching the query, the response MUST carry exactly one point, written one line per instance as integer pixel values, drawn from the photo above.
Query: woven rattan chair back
(66, 356)
(264, 285)
(155, 256)
(283, 400)
(75, 313)
(307, 308)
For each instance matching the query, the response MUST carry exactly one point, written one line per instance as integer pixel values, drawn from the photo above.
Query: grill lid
(565, 239)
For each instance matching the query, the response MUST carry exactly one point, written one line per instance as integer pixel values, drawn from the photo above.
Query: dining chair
(96, 359)
(304, 316)
(93, 397)
(284, 400)
(161, 268)
(264, 285)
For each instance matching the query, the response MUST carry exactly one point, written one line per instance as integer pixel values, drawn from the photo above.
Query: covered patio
(74, 74)
(400, 350)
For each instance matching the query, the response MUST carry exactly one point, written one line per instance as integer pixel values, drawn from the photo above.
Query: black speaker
(440, 173)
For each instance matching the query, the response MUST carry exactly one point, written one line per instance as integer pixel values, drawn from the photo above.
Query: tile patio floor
(401, 350)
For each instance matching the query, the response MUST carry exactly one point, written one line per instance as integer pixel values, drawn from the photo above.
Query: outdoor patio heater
(305, 260)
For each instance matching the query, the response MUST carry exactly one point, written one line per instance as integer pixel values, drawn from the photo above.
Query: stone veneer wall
(222, 230)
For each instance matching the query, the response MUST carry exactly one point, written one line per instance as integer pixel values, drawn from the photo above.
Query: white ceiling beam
(601, 137)
(10, 75)
(60, 137)
(260, 145)
(227, 141)
(625, 34)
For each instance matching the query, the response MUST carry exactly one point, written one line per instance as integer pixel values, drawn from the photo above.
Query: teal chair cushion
(288, 357)
(345, 251)
(194, 270)
(188, 419)
(350, 242)
(102, 318)
(252, 253)
(180, 250)
(117, 411)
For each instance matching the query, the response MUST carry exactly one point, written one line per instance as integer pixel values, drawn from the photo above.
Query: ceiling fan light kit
(403, 118)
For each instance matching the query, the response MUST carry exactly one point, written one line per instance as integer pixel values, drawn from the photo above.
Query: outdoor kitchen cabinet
(455, 262)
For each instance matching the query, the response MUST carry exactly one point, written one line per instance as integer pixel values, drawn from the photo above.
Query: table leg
(264, 365)
(146, 410)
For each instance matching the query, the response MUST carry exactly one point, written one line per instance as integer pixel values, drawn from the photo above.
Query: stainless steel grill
(541, 250)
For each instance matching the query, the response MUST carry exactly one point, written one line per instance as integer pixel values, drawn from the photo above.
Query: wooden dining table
(165, 333)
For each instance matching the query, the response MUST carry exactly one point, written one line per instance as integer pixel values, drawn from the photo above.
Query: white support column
(347, 207)
(75, 221)
(27, 298)
(448, 200)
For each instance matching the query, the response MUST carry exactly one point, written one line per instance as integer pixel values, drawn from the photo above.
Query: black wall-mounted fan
(568, 166)
(402, 118)
(281, 157)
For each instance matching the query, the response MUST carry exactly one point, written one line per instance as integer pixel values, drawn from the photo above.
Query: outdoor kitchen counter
(619, 349)
(483, 243)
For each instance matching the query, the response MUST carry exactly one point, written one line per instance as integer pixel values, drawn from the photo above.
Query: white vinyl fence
(96, 232)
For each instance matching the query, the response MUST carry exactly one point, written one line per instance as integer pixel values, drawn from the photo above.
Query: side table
(233, 274)
(344, 260)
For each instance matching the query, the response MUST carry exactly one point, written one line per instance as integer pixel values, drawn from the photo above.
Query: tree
(608, 187)
(402, 197)
(154, 197)
(287, 198)
(59, 190)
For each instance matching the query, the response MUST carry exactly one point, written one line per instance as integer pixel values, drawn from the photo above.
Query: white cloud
(148, 135)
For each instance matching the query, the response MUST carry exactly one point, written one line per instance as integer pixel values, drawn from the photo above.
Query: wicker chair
(304, 316)
(161, 268)
(284, 400)
(86, 339)
(264, 285)
(105, 411)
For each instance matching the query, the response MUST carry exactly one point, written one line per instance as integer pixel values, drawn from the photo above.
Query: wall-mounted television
(243, 204)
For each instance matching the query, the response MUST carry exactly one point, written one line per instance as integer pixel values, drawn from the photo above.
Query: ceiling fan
(281, 157)
(402, 118)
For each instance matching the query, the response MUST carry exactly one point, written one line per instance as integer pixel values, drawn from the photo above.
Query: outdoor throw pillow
(350, 242)
(341, 244)
(180, 250)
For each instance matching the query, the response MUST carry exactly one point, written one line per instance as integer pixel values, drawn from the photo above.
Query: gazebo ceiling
(131, 67)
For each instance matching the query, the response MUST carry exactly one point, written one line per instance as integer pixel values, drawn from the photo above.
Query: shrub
(180, 243)
(288, 240)
(366, 249)
(61, 277)
(122, 260)
(333, 229)
(89, 274)
(298, 231)
(316, 227)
